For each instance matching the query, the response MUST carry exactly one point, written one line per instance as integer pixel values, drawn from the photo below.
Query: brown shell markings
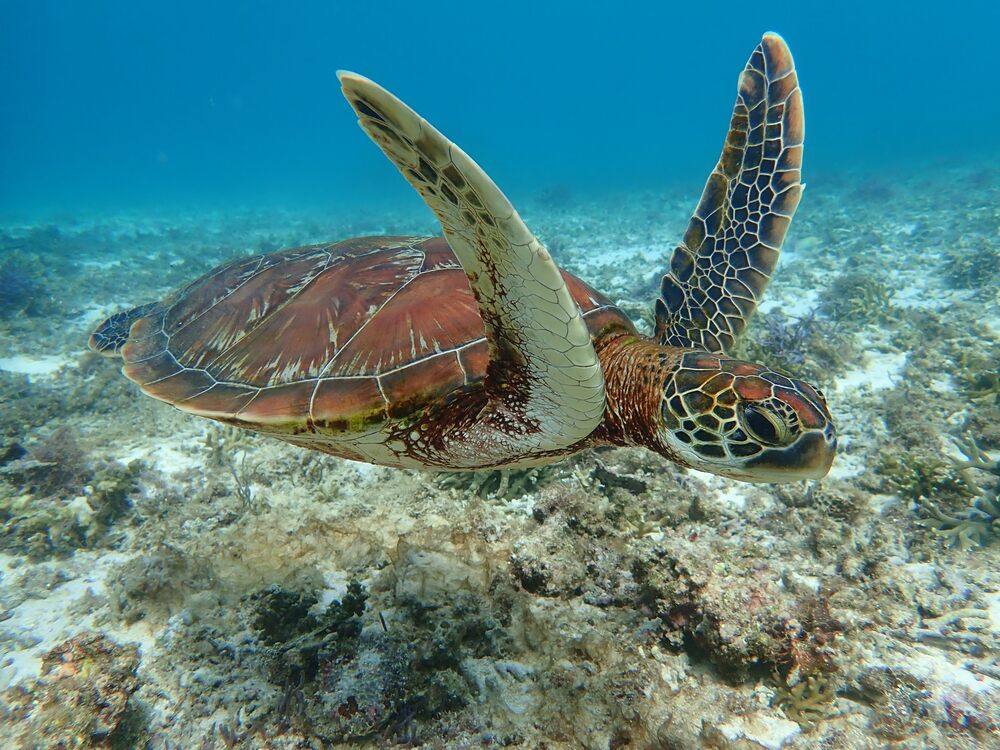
(324, 339)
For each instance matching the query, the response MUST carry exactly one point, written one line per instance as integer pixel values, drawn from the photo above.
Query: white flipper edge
(545, 379)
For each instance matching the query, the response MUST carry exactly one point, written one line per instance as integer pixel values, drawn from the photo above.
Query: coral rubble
(284, 599)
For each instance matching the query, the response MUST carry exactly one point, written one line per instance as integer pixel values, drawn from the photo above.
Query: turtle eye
(762, 425)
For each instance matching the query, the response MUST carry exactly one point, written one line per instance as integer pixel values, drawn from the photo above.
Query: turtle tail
(111, 335)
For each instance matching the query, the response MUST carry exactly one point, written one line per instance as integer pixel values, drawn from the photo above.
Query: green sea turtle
(474, 350)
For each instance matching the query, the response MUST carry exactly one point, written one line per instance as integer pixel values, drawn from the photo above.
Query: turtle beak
(809, 457)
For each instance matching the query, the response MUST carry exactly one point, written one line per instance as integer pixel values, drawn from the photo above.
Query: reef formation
(168, 583)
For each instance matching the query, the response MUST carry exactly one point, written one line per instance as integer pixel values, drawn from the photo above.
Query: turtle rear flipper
(544, 380)
(111, 335)
(722, 266)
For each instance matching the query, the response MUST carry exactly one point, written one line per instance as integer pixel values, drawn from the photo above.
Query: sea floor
(166, 582)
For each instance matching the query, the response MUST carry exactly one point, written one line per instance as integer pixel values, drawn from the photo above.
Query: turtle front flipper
(720, 270)
(544, 380)
(111, 335)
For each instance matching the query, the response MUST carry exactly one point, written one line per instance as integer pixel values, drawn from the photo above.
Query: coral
(157, 583)
(221, 443)
(740, 615)
(280, 615)
(973, 263)
(21, 288)
(415, 668)
(445, 650)
(979, 523)
(55, 465)
(976, 372)
(363, 693)
(835, 500)
(804, 347)
(966, 529)
(299, 640)
(342, 678)
(11, 451)
(82, 700)
(984, 423)
(900, 702)
(984, 387)
(807, 701)
(857, 297)
(570, 552)
(915, 475)
(54, 500)
(967, 630)
(505, 484)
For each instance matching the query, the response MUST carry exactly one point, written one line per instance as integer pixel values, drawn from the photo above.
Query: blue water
(116, 106)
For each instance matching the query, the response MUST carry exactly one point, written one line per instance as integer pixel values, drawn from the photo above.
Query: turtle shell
(324, 339)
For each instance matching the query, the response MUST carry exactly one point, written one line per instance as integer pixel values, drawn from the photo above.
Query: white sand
(49, 616)
(881, 370)
(36, 367)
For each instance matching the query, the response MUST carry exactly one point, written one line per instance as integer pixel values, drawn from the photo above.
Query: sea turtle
(474, 350)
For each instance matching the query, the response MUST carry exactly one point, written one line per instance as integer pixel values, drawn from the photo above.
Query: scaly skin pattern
(476, 351)
(536, 332)
(695, 408)
(346, 396)
(636, 371)
(112, 334)
(715, 413)
(371, 349)
(718, 273)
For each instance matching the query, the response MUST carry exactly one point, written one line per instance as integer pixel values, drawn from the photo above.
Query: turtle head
(743, 421)
(110, 336)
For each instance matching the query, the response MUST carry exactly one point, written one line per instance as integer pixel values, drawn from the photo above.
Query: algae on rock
(54, 499)
(81, 701)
